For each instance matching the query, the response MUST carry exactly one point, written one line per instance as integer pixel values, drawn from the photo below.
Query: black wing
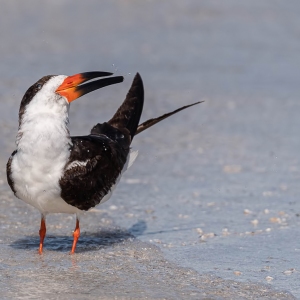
(95, 163)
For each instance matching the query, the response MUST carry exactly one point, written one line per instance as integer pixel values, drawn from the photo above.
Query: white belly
(36, 181)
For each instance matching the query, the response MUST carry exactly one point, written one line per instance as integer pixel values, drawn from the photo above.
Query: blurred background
(211, 203)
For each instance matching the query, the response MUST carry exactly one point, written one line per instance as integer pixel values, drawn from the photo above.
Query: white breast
(38, 166)
(43, 143)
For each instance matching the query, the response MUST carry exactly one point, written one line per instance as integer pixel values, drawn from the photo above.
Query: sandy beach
(210, 209)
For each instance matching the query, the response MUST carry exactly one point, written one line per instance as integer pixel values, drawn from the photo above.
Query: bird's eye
(38, 86)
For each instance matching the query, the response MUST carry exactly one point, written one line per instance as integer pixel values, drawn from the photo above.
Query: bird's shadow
(87, 241)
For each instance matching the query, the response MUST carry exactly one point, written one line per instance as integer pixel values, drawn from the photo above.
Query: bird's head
(54, 93)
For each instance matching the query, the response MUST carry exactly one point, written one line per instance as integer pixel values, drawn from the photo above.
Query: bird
(59, 173)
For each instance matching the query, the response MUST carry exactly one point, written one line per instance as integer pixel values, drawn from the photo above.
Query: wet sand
(210, 208)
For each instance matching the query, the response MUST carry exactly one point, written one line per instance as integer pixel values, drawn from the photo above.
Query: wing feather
(94, 166)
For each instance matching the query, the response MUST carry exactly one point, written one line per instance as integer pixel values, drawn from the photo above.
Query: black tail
(152, 122)
(129, 113)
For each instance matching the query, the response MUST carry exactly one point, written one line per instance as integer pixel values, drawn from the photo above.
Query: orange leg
(42, 234)
(76, 236)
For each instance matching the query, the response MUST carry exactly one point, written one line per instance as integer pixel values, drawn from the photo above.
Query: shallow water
(210, 208)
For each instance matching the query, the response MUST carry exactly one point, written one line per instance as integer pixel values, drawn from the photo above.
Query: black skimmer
(57, 173)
